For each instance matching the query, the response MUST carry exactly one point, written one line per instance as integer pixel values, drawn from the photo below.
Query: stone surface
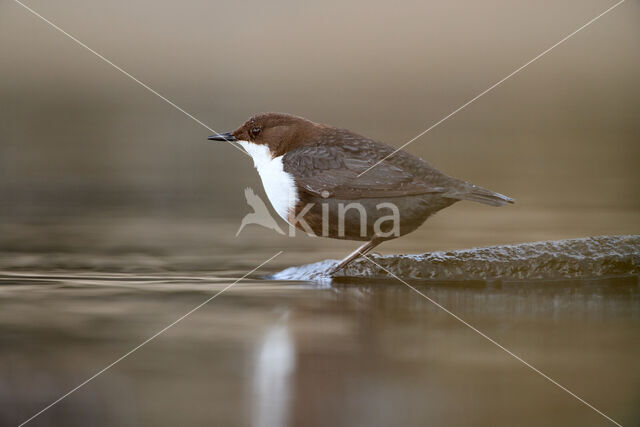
(590, 257)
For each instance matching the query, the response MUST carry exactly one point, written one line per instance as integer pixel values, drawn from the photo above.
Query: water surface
(76, 296)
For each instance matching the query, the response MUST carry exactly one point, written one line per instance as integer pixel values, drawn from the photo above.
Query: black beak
(227, 136)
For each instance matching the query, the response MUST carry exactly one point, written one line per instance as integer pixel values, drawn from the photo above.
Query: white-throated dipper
(313, 176)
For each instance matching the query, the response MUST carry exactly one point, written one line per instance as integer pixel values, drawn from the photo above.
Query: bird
(260, 214)
(332, 182)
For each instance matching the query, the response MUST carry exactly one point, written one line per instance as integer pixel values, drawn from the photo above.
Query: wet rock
(602, 256)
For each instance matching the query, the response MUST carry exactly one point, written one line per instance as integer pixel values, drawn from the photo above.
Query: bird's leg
(362, 250)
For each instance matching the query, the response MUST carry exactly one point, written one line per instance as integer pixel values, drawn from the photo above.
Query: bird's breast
(278, 184)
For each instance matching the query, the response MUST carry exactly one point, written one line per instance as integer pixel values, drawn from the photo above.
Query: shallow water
(78, 295)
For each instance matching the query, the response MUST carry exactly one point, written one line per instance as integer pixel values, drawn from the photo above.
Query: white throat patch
(278, 184)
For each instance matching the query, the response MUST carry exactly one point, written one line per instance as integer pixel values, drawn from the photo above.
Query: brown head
(279, 131)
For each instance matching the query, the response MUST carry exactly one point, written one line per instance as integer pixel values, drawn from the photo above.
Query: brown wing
(333, 164)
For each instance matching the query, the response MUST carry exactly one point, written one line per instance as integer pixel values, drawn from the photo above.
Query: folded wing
(327, 170)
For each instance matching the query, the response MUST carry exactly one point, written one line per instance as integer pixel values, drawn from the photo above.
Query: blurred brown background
(78, 137)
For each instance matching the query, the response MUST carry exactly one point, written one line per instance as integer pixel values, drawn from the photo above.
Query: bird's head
(277, 132)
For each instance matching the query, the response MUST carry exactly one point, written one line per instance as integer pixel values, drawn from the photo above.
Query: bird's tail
(474, 193)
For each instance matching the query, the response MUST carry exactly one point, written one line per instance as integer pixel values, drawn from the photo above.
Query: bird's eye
(255, 132)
